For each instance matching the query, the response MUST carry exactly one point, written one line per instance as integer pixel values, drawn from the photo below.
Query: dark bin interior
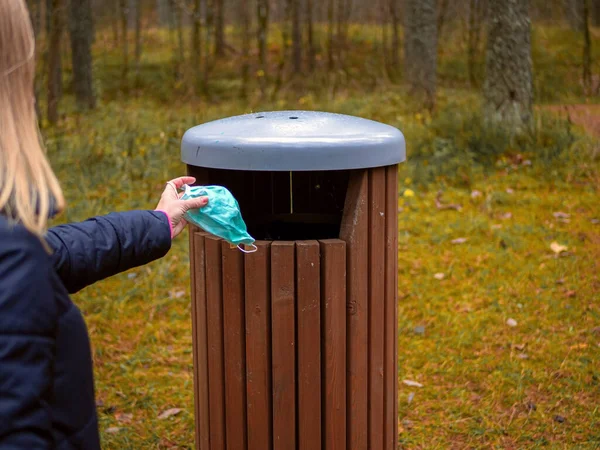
(284, 205)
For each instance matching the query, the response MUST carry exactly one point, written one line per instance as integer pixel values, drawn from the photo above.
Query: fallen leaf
(176, 294)
(509, 191)
(578, 346)
(561, 215)
(560, 281)
(459, 240)
(475, 194)
(112, 430)
(132, 275)
(412, 383)
(496, 226)
(570, 294)
(411, 396)
(506, 216)
(557, 248)
(439, 276)
(520, 347)
(169, 412)
(511, 322)
(440, 205)
(595, 221)
(420, 329)
(124, 417)
(523, 356)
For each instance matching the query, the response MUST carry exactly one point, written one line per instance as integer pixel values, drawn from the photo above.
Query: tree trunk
(115, 21)
(245, 23)
(330, 38)
(123, 13)
(476, 12)
(574, 13)
(587, 49)
(420, 49)
(197, 46)
(310, 36)
(208, 28)
(54, 64)
(508, 87)
(441, 17)
(595, 13)
(296, 35)
(81, 31)
(395, 34)
(263, 26)
(178, 55)
(163, 8)
(35, 11)
(138, 36)
(219, 28)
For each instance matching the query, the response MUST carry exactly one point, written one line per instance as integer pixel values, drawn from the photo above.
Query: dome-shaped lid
(292, 141)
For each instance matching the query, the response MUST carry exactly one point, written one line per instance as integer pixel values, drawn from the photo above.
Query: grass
(485, 384)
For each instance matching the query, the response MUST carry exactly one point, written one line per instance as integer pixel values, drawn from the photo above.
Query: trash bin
(295, 345)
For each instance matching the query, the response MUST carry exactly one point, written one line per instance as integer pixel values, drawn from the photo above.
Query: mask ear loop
(254, 249)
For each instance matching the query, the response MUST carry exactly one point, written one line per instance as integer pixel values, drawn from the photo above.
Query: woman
(46, 381)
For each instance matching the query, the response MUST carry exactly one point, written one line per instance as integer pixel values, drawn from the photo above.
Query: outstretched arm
(86, 252)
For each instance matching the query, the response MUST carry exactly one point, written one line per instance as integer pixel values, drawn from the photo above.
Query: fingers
(195, 203)
(179, 182)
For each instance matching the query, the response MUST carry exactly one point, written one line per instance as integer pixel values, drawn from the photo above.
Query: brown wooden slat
(309, 344)
(391, 310)
(258, 347)
(283, 344)
(201, 340)
(333, 314)
(216, 373)
(192, 256)
(354, 231)
(235, 347)
(376, 304)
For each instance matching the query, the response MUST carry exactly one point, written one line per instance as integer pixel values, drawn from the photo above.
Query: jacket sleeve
(86, 252)
(28, 318)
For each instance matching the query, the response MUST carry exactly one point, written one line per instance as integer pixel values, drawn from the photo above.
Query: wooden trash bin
(295, 345)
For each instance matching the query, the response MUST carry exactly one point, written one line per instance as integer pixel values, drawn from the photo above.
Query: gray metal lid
(292, 141)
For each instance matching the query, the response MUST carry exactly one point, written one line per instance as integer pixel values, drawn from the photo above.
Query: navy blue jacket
(46, 381)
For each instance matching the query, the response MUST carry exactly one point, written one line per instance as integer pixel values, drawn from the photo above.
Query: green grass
(485, 384)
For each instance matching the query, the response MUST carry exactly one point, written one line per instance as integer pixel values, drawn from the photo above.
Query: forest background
(499, 244)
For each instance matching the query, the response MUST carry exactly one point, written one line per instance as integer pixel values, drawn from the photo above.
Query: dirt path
(586, 116)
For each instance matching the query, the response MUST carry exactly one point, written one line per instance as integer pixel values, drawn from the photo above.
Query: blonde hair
(29, 190)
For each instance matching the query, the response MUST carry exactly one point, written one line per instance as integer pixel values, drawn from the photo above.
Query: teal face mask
(220, 217)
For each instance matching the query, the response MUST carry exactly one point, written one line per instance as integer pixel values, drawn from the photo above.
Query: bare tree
(262, 9)
(197, 45)
(574, 13)
(331, 44)
(508, 86)
(420, 49)
(54, 73)
(474, 27)
(81, 29)
(123, 13)
(394, 17)
(587, 49)
(245, 23)
(310, 44)
(294, 12)
(219, 6)
(139, 11)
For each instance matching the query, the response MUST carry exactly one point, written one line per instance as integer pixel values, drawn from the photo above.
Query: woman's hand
(174, 208)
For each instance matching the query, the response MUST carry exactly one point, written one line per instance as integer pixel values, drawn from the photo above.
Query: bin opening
(288, 206)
